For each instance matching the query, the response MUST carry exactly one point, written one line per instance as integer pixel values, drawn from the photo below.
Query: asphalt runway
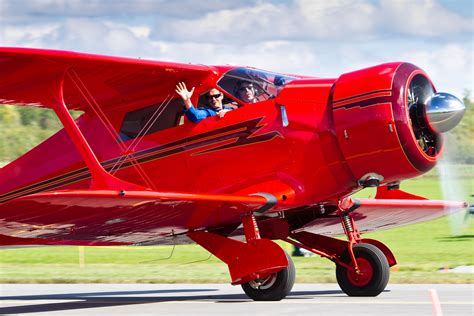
(222, 299)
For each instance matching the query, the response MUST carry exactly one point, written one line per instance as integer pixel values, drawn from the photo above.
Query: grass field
(421, 250)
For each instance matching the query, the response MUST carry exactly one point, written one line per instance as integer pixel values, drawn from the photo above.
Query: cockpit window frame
(267, 84)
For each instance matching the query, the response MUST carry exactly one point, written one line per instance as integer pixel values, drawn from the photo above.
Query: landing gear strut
(362, 265)
(260, 265)
(363, 269)
(267, 287)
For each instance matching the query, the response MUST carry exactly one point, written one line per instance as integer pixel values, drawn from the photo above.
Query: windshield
(252, 85)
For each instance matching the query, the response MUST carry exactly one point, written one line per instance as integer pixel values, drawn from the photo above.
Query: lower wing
(126, 217)
(389, 209)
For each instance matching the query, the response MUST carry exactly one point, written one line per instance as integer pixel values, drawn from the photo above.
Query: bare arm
(185, 94)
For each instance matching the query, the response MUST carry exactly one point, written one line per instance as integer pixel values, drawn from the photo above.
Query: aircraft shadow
(108, 299)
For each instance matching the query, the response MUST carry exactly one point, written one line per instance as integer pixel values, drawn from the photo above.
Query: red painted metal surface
(273, 228)
(246, 261)
(385, 193)
(375, 214)
(327, 246)
(353, 235)
(386, 251)
(371, 104)
(119, 216)
(250, 228)
(364, 275)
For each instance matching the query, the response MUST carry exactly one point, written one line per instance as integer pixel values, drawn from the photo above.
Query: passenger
(245, 91)
(214, 104)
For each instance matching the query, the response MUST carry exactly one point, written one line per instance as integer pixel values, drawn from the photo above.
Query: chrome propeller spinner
(444, 111)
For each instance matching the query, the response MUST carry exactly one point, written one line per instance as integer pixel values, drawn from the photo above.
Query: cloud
(450, 67)
(87, 35)
(317, 20)
(267, 55)
(337, 19)
(29, 35)
(247, 21)
(107, 8)
(242, 24)
(423, 18)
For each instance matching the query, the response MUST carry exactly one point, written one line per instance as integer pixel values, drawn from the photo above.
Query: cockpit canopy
(251, 85)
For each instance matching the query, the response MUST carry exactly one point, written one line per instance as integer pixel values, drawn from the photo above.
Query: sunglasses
(214, 96)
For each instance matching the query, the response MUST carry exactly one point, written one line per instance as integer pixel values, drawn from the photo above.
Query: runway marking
(435, 300)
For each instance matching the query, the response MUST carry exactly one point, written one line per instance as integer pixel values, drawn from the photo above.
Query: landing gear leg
(270, 286)
(363, 268)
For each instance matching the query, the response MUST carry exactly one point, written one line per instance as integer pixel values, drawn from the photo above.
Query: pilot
(214, 104)
(245, 91)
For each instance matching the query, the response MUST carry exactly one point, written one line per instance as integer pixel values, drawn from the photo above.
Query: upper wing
(389, 209)
(28, 77)
(118, 216)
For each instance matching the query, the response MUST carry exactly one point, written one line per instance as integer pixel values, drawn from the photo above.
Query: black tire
(372, 282)
(275, 287)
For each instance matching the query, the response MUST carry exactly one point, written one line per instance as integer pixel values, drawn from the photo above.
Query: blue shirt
(197, 115)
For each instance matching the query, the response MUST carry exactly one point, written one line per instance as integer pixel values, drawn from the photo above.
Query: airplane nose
(444, 111)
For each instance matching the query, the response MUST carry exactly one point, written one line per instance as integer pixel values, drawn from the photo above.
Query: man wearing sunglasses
(214, 104)
(245, 91)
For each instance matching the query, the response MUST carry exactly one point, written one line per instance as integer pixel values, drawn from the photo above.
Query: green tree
(460, 138)
(22, 128)
(9, 115)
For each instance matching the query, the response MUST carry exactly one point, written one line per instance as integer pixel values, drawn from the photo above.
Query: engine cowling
(388, 121)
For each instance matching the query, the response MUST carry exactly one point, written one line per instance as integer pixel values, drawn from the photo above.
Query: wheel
(274, 287)
(374, 268)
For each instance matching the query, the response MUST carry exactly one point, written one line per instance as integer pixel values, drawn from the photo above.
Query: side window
(151, 119)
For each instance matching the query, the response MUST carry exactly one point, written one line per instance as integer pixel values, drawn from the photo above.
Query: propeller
(432, 114)
(450, 181)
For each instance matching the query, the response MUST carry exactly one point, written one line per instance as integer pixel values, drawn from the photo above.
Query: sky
(307, 37)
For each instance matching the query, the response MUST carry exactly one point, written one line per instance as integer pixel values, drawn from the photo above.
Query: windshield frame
(267, 85)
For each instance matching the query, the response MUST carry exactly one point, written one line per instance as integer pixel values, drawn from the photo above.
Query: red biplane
(132, 170)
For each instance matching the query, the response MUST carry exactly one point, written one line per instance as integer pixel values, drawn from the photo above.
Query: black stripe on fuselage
(367, 94)
(243, 133)
(365, 103)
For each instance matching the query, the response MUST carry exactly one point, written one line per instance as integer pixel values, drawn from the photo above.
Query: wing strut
(72, 74)
(128, 152)
(100, 178)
